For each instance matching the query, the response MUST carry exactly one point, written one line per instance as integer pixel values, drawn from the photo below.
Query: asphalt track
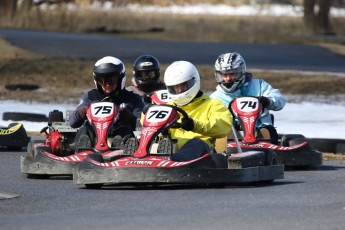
(305, 199)
(92, 46)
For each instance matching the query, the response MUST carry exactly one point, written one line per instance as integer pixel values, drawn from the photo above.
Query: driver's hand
(146, 108)
(187, 124)
(265, 102)
(81, 111)
(147, 98)
(125, 114)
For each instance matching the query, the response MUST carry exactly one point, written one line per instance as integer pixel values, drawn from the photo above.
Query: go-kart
(152, 164)
(57, 155)
(13, 137)
(292, 150)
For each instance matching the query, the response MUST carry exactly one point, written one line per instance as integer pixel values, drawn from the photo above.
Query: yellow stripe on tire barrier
(13, 129)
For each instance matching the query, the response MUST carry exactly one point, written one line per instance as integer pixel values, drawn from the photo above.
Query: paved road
(310, 199)
(263, 56)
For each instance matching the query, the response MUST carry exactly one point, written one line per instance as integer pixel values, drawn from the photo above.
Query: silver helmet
(230, 63)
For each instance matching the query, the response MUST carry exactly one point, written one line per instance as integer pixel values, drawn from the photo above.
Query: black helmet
(109, 69)
(146, 72)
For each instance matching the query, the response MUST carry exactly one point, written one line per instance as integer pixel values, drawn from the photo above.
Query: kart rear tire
(326, 145)
(93, 186)
(38, 176)
(287, 137)
(96, 157)
(220, 160)
(298, 141)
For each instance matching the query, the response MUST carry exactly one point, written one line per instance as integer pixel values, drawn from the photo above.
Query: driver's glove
(147, 98)
(125, 114)
(187, 124)
(265, 102)
(81, 111)
(146, 108)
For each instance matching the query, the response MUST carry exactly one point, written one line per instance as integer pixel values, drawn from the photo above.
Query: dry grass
(333, 157)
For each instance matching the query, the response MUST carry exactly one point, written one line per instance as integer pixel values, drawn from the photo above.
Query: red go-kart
(152, 163)
(292, 150)
(56, 155)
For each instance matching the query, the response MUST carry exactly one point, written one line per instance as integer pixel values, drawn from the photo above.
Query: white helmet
(178, 73)
(230, 63)
(109, 67)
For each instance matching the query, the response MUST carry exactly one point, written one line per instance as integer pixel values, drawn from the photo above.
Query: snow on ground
(275, 10)
(313, 120)
(222, 9)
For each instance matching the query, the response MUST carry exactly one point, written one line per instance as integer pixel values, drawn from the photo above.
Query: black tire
(38, 176)
(21, 87)
(326, 145)
(297, 141)
(340, 148)
(14, 148)
(287, 137)
(16, 116)
(271, 157)
(96, 157)
(220, 160)
(93, 186)
(232, 150)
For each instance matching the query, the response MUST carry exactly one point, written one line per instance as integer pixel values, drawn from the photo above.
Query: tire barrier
(16, 116)
(328, 145)
(21, 87)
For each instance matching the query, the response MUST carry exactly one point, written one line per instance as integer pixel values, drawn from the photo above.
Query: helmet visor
(228, 75)
(182, 87)
(146, 76)
(110, 80)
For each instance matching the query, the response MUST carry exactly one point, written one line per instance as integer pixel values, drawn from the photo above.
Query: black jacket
(132, 101)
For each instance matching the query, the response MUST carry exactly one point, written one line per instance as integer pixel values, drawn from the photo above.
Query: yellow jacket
(211, 120)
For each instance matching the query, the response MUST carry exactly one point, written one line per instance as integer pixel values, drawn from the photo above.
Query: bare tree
(8, 8)
(316, 16)
(26, 5)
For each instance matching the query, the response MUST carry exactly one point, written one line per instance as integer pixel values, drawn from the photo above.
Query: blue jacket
(254, 87)
(132, 101)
